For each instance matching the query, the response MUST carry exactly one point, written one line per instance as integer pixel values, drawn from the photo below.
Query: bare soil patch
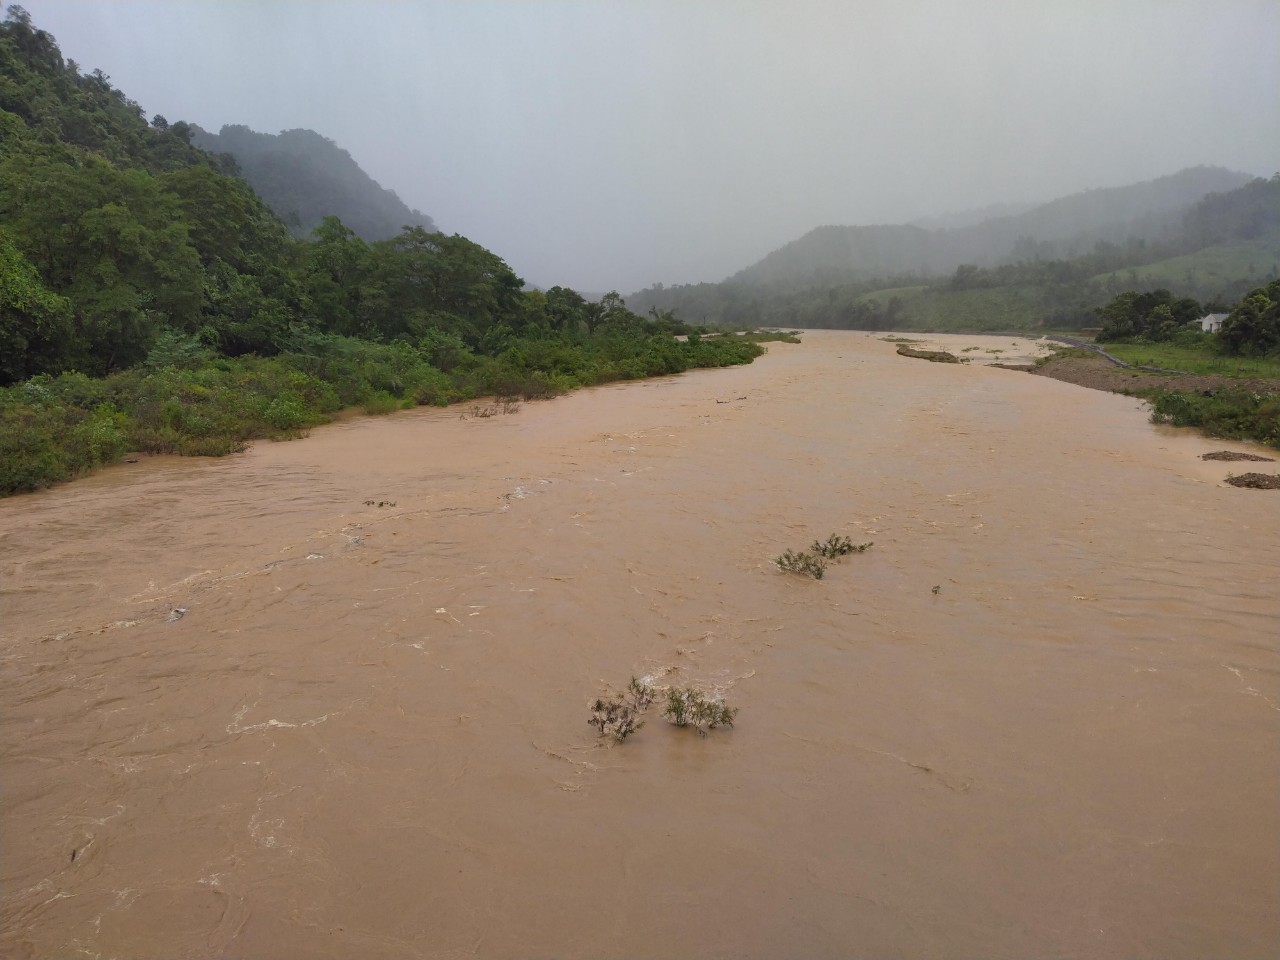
(934, 356)
(1099, 374)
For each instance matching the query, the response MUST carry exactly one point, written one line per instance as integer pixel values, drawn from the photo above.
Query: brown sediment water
(244, 714)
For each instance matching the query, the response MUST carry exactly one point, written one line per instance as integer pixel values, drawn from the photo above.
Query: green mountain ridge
(304, 177)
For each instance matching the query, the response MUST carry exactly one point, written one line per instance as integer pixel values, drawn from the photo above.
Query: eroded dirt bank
(1099, 374)
(244, 714)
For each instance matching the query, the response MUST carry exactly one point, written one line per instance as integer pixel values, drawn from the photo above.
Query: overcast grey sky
(614, 143)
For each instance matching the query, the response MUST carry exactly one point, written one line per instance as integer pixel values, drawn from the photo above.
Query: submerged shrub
(619, 715)
(806, 563)
(837, 546)
(690, 708)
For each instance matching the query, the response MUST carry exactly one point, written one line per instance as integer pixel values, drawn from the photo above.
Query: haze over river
(244, 714)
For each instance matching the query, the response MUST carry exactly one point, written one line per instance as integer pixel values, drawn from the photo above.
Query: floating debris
(1234, 455)
(1255, 481)
(176, 614)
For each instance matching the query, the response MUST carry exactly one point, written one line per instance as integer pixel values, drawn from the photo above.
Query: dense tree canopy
(1156, 315)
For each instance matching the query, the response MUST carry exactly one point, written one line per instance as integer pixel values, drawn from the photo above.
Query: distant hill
(1063, 228)
(1070, 226)
(1206, 233)
(304, 177)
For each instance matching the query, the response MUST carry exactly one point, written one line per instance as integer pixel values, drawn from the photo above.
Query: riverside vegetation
(1157, 328)
(150, 301)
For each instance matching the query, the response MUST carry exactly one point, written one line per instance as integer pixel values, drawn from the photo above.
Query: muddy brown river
(247, 714)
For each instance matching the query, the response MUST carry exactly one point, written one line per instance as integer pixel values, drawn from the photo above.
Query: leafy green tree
(1155, 315)
(430, 274)
(566, 309)
(337, 265)
(34, 322)
(112, 242)
(1253, 326)
(216, 207)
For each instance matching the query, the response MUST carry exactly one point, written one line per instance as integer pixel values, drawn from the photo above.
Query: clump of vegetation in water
(814, 564)
(379, 503)
(805, 563)
(1256, 481)
(690, 708)
(837, 546)
(1234, 455)
(619, 715)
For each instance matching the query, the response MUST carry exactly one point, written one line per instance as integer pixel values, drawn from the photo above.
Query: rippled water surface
(246, 714)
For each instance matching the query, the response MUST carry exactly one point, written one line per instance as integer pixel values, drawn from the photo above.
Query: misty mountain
(1063, 228)
(304, 177)
(1084, 250)
(967, 218)
(1070, 226)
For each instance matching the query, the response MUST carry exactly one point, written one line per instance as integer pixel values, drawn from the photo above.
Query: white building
(1212, 322)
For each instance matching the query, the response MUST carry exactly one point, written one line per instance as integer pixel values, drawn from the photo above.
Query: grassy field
(1199, 360)
(1254, 262)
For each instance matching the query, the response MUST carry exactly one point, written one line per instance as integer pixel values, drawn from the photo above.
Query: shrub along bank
(184, 401)
(1230, 414)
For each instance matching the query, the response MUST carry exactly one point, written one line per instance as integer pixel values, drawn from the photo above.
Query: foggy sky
(611, 144)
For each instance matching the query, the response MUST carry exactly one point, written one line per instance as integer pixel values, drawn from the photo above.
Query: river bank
(1097, 373)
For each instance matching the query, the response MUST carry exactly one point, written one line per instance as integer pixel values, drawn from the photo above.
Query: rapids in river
(329, 698)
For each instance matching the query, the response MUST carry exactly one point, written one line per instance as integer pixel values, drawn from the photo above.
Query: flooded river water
(246, 713)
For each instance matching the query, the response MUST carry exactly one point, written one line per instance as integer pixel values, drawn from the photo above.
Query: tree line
(1250, 327)
(149, 299)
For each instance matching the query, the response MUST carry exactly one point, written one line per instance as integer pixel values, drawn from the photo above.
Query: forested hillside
(304, 177)
(150, 301)
(1050, 266)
